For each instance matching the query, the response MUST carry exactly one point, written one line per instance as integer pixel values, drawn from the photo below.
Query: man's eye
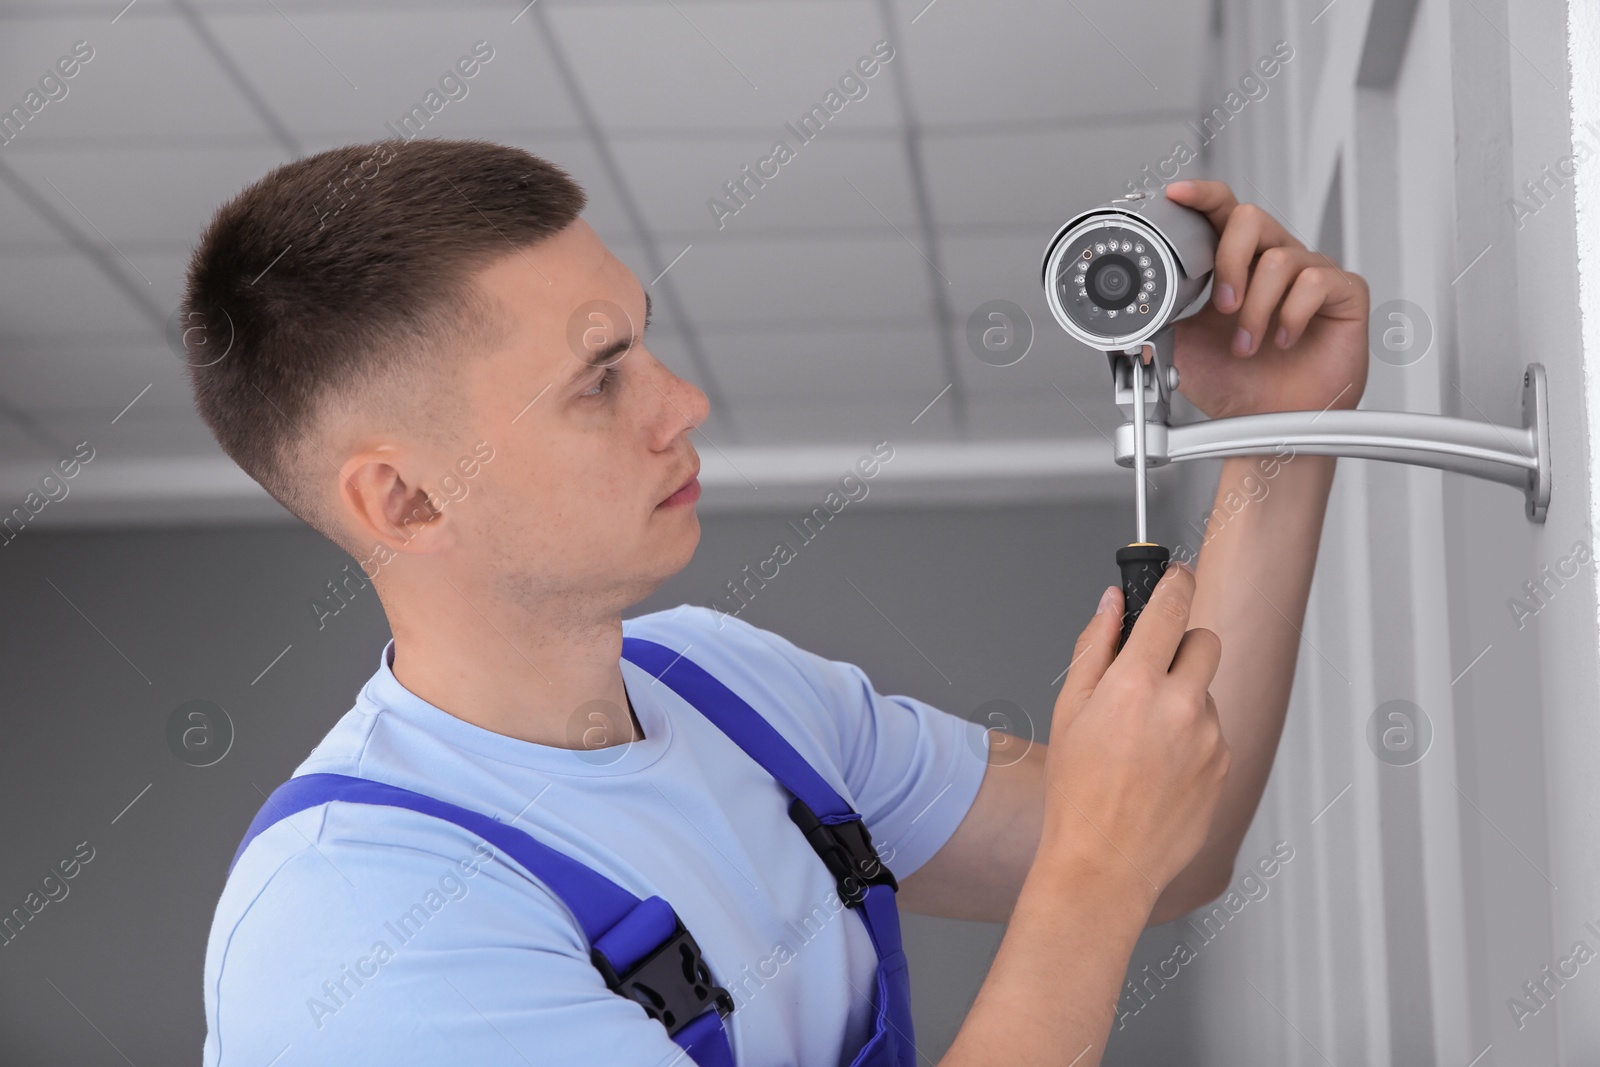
(599, 388)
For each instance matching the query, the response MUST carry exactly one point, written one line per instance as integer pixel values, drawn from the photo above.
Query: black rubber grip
(1142, 567)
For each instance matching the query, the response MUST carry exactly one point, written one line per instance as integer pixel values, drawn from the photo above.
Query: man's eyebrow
(612, 351)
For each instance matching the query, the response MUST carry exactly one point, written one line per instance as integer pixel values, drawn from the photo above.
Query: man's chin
(683, 551)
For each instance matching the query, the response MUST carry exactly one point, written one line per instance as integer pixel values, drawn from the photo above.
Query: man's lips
(687, 493)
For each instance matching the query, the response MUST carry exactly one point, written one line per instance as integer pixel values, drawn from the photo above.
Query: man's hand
(1137, 759)
(1135, 767)
(1285, 328)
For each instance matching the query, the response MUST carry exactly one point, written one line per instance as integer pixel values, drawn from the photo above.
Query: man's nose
(686, 403)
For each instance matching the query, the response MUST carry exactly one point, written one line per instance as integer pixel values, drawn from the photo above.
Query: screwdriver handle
(1142, 566)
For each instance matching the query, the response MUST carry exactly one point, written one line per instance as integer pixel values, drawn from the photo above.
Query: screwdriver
(1143, 562)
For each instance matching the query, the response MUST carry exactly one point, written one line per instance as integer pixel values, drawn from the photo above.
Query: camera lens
(1111, 281)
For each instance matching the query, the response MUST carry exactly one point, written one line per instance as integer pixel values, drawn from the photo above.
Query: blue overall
(640, 946)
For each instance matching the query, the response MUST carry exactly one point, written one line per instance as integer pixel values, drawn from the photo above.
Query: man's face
(590, 435)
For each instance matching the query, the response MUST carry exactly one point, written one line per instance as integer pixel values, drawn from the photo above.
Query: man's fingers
(1096, 646)
(1213, 199)
(1320, 289)
(1199, 653)
(1161, 624)
(1250, 232)
(1274, 273)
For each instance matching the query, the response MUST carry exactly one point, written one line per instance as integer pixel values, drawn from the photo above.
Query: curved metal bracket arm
(1516, 456)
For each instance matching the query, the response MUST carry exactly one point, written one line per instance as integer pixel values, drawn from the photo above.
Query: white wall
(1426, 895)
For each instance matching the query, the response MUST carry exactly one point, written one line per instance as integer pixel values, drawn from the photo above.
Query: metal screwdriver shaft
(1142, 563)
(1138, 450)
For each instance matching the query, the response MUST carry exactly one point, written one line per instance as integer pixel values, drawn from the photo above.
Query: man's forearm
(1051, 994)
(1253, 578)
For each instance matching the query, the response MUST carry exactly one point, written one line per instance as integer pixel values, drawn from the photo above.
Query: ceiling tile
(811, 308)
(165, 273)
(828, 183)
(823, 363)
(1010, 60)
(713, 65)
(996, 268)
(21, 228)
(343, 71)
(142, 194)
(45, 292)
(869, 277)
(985, 269)
(148, 73)
(1045, 178)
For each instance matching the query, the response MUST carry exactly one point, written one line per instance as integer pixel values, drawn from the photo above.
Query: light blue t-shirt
(353, 933)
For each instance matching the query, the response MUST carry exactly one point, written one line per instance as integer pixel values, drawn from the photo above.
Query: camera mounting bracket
(1159, 380)
(1515, 456)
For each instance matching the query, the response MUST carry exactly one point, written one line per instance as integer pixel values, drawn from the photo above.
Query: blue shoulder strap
(626, 934)
(733, 715)
(831, 826)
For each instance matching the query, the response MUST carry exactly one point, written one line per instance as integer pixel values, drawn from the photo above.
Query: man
(437, 364)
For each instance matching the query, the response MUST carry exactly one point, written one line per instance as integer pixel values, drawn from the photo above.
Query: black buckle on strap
(847, 850)
(672, 983)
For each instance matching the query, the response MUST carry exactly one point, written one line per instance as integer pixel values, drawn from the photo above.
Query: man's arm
(1285, 330)
(1130, 788)
(1252, 580)
(979, 873)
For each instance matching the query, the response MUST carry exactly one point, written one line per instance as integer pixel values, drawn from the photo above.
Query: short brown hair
(343, 278)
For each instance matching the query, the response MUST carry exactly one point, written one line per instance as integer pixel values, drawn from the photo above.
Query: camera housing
(1116, 275)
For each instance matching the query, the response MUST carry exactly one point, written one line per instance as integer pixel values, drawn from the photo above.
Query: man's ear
(382, 501)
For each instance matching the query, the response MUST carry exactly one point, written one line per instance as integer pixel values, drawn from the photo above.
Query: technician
(546, 835)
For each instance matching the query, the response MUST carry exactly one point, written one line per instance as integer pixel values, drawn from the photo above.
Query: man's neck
(551, 684)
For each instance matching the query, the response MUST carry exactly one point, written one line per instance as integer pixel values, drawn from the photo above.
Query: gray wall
(105, 633)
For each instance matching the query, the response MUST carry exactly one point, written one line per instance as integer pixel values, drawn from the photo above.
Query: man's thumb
(1096, 647)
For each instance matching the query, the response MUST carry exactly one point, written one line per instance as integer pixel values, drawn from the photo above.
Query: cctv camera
(1117, 275)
